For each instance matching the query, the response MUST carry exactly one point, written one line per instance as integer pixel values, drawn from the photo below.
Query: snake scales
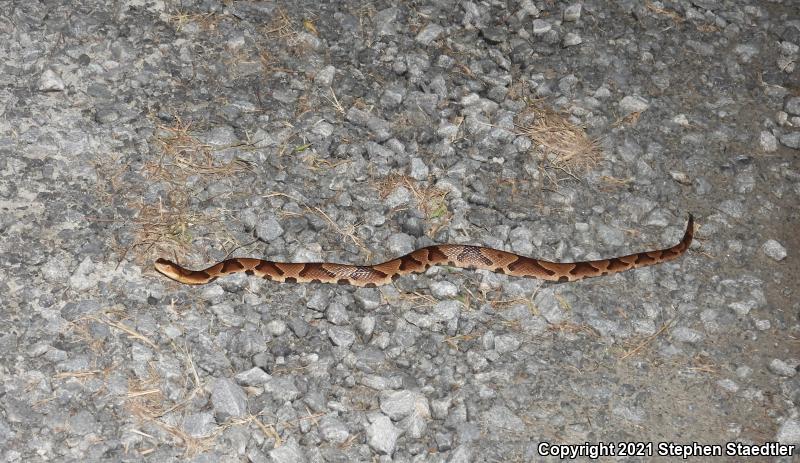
(454, 255)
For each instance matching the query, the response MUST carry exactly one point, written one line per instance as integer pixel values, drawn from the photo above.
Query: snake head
(168, 269)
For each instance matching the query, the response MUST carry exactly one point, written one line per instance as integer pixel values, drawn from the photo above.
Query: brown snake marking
(455, 255)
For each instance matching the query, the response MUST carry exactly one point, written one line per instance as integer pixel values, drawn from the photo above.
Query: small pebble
(540, 26)
(792, 106)
(573, 12)
(781, 368)
(50, 82)
(774, 249)
(429, 33)
(382, 435)
(768, 141)
(791, 139)
(789, 432)
(633, 104)
(276, 327)
(572, 39)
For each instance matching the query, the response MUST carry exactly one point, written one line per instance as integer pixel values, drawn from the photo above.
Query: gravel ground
(352, 132)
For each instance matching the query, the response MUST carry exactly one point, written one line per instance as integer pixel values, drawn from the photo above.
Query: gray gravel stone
(400, 243)
(299, 327)
(289, 452)
(762, 325)
(276, 327)
(733, 208)
(728, 385)
(610, 236)
(791, 139)
(419, 170)
(337, 314)
(82, 423)
(774, 250)
(219, 136)
(768, 141)
(789, 432)
(494, 35)
(500, 417)
(415, 425)
(392, 97)
(253, 377)
(630, 413)
(381, 383)
(506, 343)
(333, 430)
(444, 289)
(368, 298)
(385, 21)
(324, 77)
(540, 26)
(633, 104)
(782, 368)
(229, 400)
(571, 39)
(75, 310)
(529, 8)
(199, 425)
(342, 337)
(573, 12)
(367, 326)
(684, 334)
(461, 454)
(318, 301)
(268, 229)
(283, 389)
(522, 241)
(792, 106)
(50, 81)
(382, 435)
(549, 307)
(399, 404)
(398, 197)
(429, 33)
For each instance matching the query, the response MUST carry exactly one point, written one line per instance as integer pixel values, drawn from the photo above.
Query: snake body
(454, 255)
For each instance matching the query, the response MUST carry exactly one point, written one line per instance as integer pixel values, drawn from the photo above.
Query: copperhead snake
(454, 255)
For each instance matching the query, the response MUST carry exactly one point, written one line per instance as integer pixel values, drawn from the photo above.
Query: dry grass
(146, 401)
(333, 100)
(573, 328)
(183, 156)
(347, 232)
(310, 26)
(502, 304)
(82, 374)
(707, 28)
(285, 29)
(701, 363)
(629, 120)
(281, 26)
(419, 300)
(133, 334)
(644, 344)
(164, 227)
(614, 183)
(562, 145)
(206, 21)
(671, 14)
(431, 200)
(453, 341)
